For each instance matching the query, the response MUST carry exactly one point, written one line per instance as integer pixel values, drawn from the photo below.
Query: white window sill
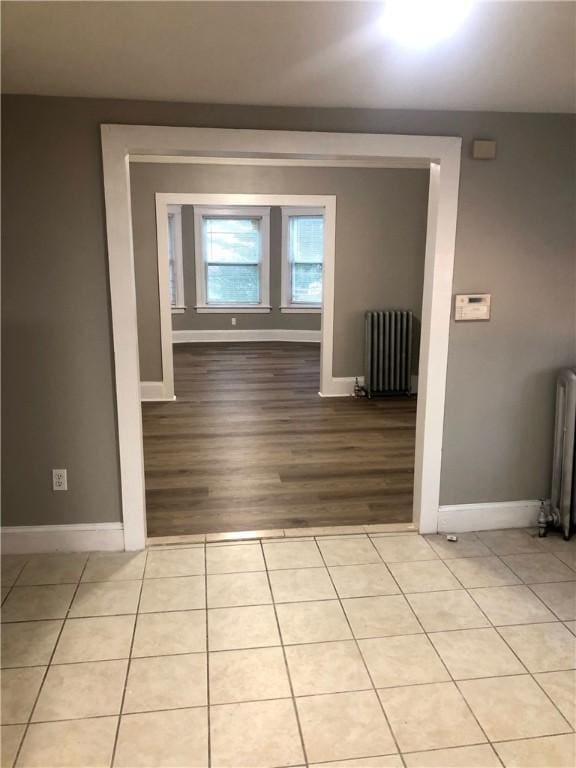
(235, 310)
(178, 310)
(301, 310)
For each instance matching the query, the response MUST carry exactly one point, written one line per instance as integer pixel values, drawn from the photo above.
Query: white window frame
(180, 306)
(287, 305)
(262, 213)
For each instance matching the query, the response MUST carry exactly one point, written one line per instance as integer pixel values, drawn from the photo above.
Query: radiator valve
(359, 391)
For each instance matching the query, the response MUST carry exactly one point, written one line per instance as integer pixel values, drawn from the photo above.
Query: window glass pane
(233, 284)
(306, 239)
(172, 259)
(306, 283)
(231, 241)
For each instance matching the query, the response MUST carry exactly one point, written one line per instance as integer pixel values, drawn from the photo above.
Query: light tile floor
(367, 649)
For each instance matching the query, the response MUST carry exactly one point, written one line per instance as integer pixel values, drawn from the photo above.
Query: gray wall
(380, 242)
(515, 238)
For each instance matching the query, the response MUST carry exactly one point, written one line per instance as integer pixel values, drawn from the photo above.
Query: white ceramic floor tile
(548, 752)
(561, 687)
(363, 580)
(496, 701)
(381, 616)
(326, 668)
(301, 584)
(402, 660)
(248, 675)
(447, 610)
(166, 682)
(480, 756)
(312, 622)
(292, 554)
(471, 653)
(482, 572)
(424, 576)
(241, 557)
(10, 568)
(52, 569)
(560, 598)
(179, 594)
(252, 626)
(234, 589)
(26, 644)
(344, 726)
(115, 566)
(96, 639)
(19, 688)
(432, 716)
(511, 605)
(88, 689)
(159, 634)
(258, 734)
(345, 551)
(382, 761)
(537, 569)
(467, 545)
(32, 603)
(175, 562)
(161, 739)
(398, 549)
(105, 598)
(542, 647)
(511, 542)
(69, 744)
(10, 738)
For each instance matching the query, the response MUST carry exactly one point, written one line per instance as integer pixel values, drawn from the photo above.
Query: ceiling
(508, 56)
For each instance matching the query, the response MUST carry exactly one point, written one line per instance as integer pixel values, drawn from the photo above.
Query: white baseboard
(27, 539)
(342, 386)
(154, 390)
(267, 334)
(458, 518)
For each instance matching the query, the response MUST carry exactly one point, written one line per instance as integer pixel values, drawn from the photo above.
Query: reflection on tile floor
(369, 649)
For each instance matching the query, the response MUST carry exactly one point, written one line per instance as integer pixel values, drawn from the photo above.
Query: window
(232, 259)
(302, 259)
(175, 262)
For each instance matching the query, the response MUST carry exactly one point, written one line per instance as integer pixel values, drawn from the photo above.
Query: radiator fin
(388, 352)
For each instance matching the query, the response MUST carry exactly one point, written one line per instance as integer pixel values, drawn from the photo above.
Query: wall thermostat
(472, 306)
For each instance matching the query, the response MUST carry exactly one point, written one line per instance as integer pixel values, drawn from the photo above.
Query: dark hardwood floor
(249, 444)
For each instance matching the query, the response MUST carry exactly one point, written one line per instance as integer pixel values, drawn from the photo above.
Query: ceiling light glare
(422, 23)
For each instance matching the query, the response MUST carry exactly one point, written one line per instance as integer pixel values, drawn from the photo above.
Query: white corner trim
(342, 386)
(266, 334)
(155, 390)
(28, 539)
(458, 518)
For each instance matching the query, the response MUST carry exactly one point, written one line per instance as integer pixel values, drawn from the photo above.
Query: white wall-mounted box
(472, 306)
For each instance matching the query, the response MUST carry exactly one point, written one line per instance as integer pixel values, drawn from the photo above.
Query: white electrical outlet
(233, 320)
(59, 479)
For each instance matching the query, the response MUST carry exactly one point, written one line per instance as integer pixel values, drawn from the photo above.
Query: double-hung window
(302, 259)
(232, 259)
(175, 264)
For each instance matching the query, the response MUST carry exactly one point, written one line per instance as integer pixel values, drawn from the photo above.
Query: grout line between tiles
(355, 641)
(116, 735)
(31, 714)
(293, 698)
(208, 717)
(528, 672)
(467, 705)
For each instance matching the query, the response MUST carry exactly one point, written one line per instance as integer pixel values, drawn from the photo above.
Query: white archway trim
(440, 154)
